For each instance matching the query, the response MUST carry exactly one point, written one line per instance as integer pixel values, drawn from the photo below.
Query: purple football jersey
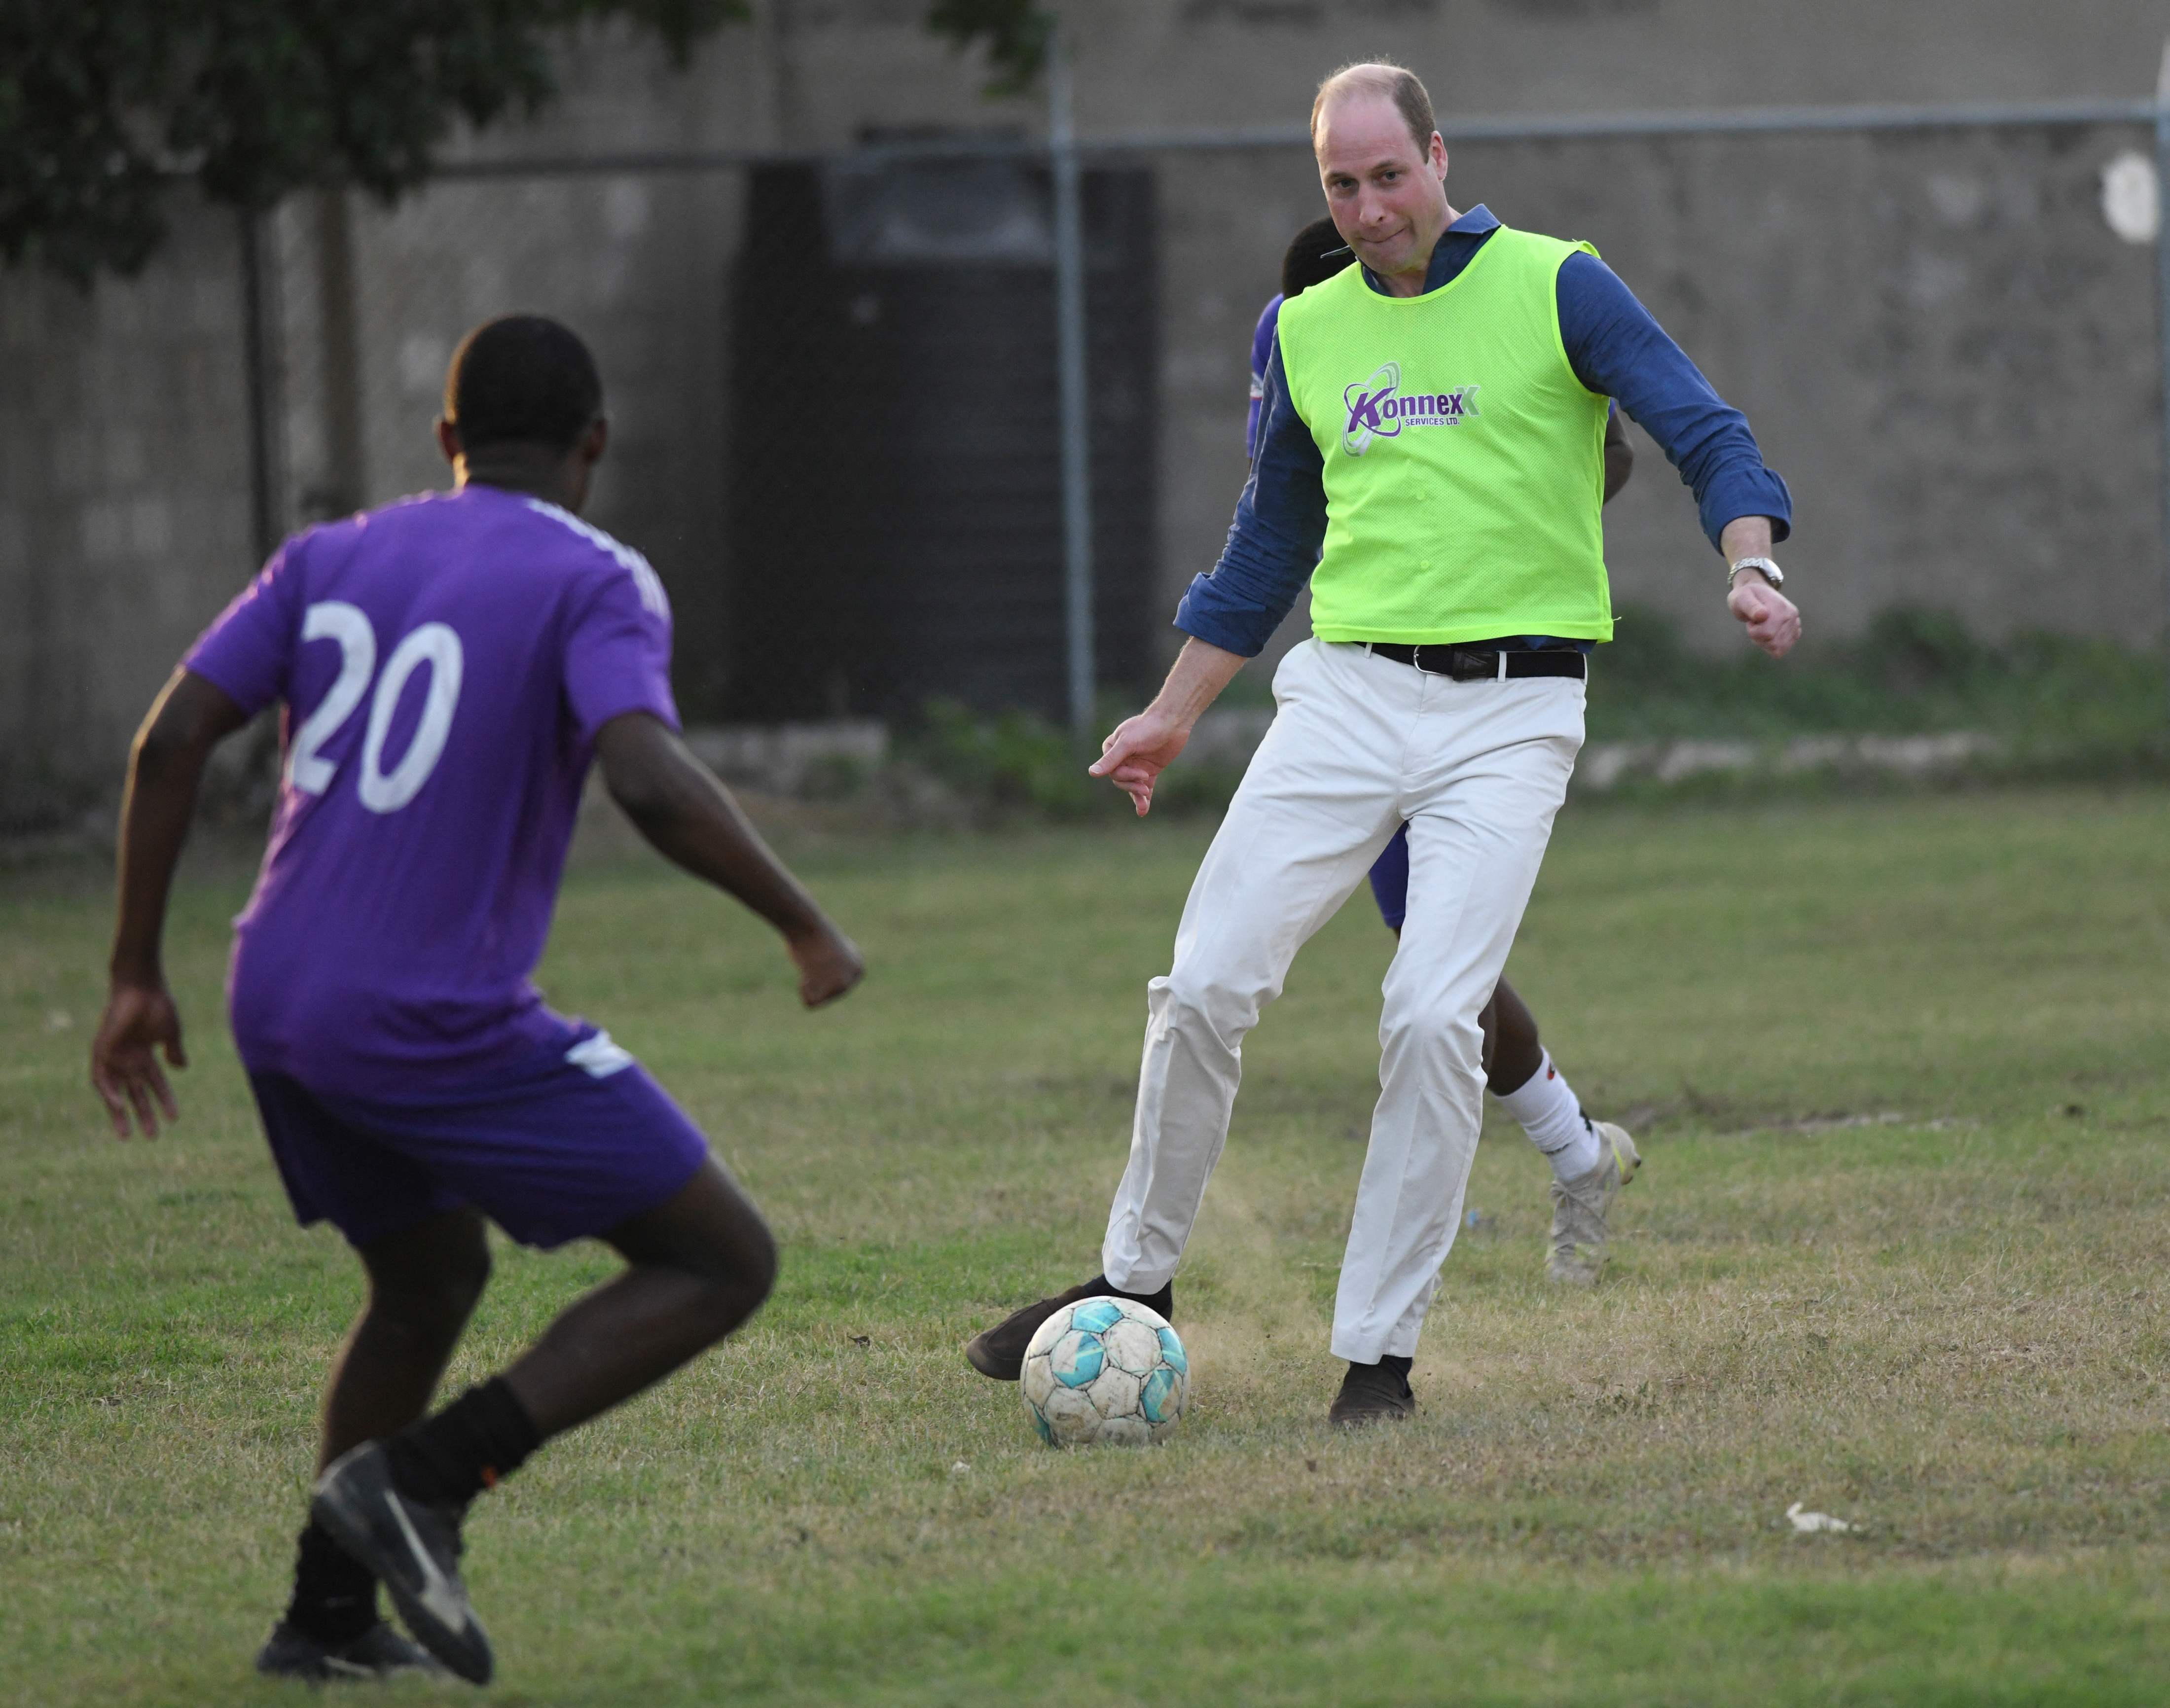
(445, 662)
(1262, 356)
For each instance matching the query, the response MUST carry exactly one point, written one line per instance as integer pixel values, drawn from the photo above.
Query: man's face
(1387, 196)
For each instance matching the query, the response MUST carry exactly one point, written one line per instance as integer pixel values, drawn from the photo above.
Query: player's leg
(697, 1267)
(1535, 1092)
(1484, 803)
(1590, 1160)
(584, 1145)
(425, 1265)
(424, 1282)
(1390, 880)
(1390, 888)
(1318, 803)
(1513, 1051)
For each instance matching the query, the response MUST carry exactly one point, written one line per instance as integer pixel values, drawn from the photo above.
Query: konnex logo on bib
(1378, 408)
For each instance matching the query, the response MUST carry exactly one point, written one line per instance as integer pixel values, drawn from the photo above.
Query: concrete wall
(1937, 338)
(124, 503)
(638, 263)
(1939, 341)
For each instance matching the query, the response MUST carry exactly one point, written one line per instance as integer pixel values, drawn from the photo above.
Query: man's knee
(1202, 1002)
(1435, 1030)
(748, 1268)
(736, 1274)
(712, 1233)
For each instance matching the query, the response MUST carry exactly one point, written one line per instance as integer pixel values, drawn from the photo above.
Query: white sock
(1551, 1115)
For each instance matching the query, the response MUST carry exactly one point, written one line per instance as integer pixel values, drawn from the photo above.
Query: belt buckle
(1465, 665)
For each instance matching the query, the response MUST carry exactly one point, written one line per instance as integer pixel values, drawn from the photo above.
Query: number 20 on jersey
(432, 644)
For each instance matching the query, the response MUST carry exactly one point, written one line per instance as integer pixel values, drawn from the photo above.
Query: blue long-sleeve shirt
(1616, 349)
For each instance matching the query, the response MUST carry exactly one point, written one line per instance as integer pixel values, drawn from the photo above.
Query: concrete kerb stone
(802, 761)
(785, 757)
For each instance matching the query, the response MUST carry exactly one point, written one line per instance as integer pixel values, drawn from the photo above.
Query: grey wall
(1939, 342)
(124, 503)
(593, 252)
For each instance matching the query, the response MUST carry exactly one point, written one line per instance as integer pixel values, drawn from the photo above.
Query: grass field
(1898, 1253)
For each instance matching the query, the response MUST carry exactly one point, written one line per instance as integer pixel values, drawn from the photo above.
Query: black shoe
(1371, 1392)
(414, 1550)
(379, 1652)
(999, 1352)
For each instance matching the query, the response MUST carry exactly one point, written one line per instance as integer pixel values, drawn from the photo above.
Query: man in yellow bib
(1432, 437)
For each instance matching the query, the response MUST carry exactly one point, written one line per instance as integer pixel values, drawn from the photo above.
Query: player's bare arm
(689, 818)
(1143, 747)
(189, 719)
(1772, 622)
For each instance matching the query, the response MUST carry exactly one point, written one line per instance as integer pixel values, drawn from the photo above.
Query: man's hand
(676, 802)
(190, 718)
(1773, 623)
(1142, 746)
(1138, 752)
(140, 1020)
(829, 964)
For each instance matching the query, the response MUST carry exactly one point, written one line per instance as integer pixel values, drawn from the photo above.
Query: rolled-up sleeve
(1274, 542)
(1616, 347)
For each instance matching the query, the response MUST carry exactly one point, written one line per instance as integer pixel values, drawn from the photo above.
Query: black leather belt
(1475, 664)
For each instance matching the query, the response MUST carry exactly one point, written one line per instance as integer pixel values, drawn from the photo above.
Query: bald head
(1379, 80)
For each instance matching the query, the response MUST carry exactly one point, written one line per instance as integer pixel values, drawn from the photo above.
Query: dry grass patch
(1895, 1256)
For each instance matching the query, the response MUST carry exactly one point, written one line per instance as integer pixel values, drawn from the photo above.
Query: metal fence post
(258, 377)
(1075, 414)
(2162, 312)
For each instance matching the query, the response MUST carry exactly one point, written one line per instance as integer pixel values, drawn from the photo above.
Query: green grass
(2044, 695)
(1897, 1253)
(2056, 708)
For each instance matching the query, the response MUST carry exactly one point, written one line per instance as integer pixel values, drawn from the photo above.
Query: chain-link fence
(836, 392)
(839, 402)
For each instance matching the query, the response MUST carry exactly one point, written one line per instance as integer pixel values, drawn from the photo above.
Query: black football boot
(413, 1548)
(379, 1652)
(1372, 1392)
(999, 1352)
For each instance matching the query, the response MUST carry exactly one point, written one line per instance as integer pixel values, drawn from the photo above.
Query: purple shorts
(1390, 880)
(566, 1146)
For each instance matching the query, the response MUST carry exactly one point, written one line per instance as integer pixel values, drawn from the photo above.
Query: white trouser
(1360, 744)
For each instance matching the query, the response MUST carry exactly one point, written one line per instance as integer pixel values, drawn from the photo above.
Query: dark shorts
(564, 1147)
(1390, 880)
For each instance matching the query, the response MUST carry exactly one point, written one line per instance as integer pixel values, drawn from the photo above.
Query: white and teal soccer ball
(1105, 1369)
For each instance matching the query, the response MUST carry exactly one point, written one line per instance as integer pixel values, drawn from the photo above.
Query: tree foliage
(1017, 34)
(104, 104)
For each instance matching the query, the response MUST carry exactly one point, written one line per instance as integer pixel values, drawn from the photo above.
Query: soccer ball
(1105, 1369)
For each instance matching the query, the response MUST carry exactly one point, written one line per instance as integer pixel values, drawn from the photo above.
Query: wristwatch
(1763, 566)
